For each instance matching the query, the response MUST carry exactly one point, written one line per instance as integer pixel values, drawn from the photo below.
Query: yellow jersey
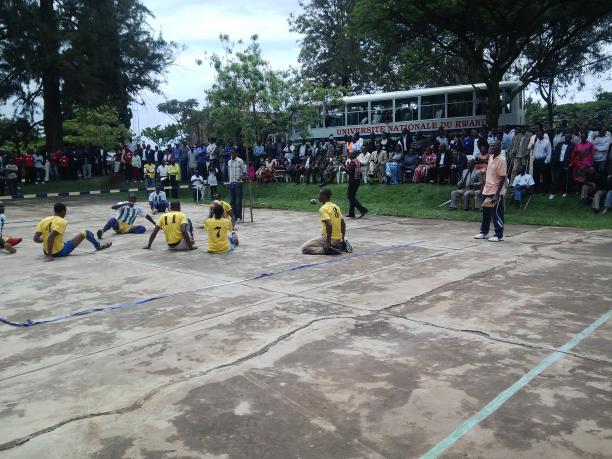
(149, 170)
(49, 224)
(226, 207)
(171, 223)
(330, 211)
(217, 234)
(175, 170)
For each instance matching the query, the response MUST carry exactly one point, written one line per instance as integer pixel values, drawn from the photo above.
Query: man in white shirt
(541, 159)
(288, 150)
(237, 172)
(601, 143)
(158, 200)
(162, 173)
(197, 186)
(357, 143)
(523, 184)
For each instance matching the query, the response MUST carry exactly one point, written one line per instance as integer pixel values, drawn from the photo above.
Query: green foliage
(592, 113)
(18, 134)
(162, 136)
(249, 99)
(488, 41)
(100, 126)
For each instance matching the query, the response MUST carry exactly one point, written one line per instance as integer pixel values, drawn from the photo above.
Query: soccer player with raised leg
(50, 233)
(123, 222)
(6, 243)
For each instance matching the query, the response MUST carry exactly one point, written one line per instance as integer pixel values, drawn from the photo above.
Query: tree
(592, 113)
(495, 40)
(78, 53)
(100, 127)
(162, 135)
(181, 111)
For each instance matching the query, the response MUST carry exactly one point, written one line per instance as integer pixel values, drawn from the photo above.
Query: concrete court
(381, 355)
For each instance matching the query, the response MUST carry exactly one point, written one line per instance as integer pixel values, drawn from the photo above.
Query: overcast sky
(196, 24)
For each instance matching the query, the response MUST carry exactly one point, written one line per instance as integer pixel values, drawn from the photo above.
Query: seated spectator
(373, 166)
(364, 159)
(307, 166)
(383, 159)
(459, 164)
(266, 170)
(422, 172)
(410, 163)
(523, 183)
(443, 163)
(197, 185)
(468, 186)
(158, 200)
(392, 170)
(294, 168)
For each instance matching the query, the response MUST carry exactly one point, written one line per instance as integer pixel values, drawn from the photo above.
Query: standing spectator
(192, 160)
(519, 152)
(39, 171)
(162, 173)
(47, 168)
(87, 166)
(159, 155)
(12, 177)
(506, 139)
(541, 158)
(174, 174)
(558, 138)
(236, 173)
(54, 164)
(183, 160)
(28, 164)
(493, 194)
(127, 162)
(258, 152)
(201, 160)
(353, 170)
(136, 167)
(559, 162)
(582, 159)
(64, 166)
(601, 143)
(213, 171)
(470, 144)
(149, 174)
(74, 164)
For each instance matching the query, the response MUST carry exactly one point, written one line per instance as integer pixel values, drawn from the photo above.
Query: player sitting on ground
(6, 243)
(123, 223)
(158, 200)
(177, 228)
(50, 232)
(333, 229)
(218, 228)
(227, 209)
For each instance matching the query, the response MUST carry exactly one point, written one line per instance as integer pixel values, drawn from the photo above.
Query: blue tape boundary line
(498, 401)
(115, 307)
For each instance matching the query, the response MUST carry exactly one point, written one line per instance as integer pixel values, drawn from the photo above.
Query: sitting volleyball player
(333, 229)
(9, 243)
(177, 228)
(218, 226)
(123, 222)
(50, 232)
(227, 209)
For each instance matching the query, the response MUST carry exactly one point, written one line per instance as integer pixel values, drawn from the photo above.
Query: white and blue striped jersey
(128, 214)
(2, 221)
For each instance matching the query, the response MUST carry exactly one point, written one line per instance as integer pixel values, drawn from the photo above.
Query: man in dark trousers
(353, 170)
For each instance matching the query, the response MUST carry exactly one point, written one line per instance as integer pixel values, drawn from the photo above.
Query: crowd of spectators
(557, 162)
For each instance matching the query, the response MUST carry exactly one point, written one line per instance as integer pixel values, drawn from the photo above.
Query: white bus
(451, 107)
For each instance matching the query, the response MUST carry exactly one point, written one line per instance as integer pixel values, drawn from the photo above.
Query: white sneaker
(495, 239)
(480, 236)
(551, 196)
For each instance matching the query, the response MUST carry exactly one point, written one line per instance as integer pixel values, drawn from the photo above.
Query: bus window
(407, 109)
(334, 116)
(460, 104)
(317, 123)
(357, 113)
(432, 107)
(381, 111)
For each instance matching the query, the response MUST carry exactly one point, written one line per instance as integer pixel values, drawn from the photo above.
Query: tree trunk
(49, 61)
(493, 103)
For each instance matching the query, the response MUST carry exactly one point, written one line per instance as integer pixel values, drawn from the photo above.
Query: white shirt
(162, 171)
(563, 149)
(155, 198)
(442, 159)
(195, 178)
(542, 149)
(358, 145)
(128, 214)
(522, 180)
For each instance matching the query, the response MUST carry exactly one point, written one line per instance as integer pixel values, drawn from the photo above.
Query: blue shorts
(66, 250)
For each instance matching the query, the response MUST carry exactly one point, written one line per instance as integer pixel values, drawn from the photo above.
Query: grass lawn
(413, 200)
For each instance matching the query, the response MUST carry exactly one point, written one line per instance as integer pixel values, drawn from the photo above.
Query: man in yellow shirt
(218, 228)
(149, 174)
(333, 229)
(227, 209)
(174, 173)
(177, 228)
(50, 233)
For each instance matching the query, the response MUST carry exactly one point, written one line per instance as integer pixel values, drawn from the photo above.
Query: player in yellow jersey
(333, 229)
(177, 229)
(227, 209)
(50, 233)
(218, 228)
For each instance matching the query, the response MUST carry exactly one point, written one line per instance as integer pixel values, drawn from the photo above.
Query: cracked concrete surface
(376, 356)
